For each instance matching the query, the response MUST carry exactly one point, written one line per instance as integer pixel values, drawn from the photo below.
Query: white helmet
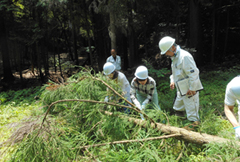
(141, 72)
(165, 44)
(108, 68)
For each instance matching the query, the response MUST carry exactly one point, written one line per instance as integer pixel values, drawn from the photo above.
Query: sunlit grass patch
(14, 108)
(10, 117)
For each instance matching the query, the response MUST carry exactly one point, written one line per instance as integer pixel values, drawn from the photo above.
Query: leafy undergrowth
(15, 106)
(70, 125)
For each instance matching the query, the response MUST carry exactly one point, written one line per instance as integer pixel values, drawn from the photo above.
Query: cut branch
(130, 141)
(190, 136)
(92, 101)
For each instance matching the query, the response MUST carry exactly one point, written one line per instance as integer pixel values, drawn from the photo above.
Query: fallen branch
(115, 91)
(190, 136)
(129, 141)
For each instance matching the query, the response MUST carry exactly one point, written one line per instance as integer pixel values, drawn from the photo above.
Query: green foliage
(24, 96)
(222, 152)
(84, 88)
(76, 124)
(156, 73)
(15, 106)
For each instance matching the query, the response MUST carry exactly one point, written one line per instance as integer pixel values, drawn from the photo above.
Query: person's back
(232, 95)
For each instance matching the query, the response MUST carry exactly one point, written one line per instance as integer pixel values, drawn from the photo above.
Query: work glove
(106, 99)
(144, 104)
(142, 116)
(143, 107)
(136, 102)
(237, 132)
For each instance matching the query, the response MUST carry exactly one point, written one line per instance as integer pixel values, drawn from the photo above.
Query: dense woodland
(49, 40)
(34, 33)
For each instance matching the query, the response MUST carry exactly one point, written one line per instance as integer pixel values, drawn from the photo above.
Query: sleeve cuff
(236, 127)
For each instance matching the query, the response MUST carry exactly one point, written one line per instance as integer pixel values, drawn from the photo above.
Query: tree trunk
(72, 9)
(123, 49)
(7, 71)
(18, 52)
(190, 136)
(195, 30)
(101, 38)
(226, 36)
(213, 31)
(112, 30)
(88, 27)
(131, 38)
(112, 27)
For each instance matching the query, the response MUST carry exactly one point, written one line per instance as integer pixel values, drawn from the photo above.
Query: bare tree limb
(190, 136)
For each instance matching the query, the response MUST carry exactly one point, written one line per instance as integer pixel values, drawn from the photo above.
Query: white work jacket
(124, 84)
(116, 63)
(232, 93)
(183, 66)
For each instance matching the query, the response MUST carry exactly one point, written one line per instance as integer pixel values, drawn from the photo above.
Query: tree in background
(40, 29)
(5, 11)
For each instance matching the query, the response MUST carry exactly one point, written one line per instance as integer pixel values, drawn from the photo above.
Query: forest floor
(16, 106)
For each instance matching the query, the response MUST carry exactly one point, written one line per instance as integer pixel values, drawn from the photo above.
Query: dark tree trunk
(88, 27)
(195, 29)
(18, 55)
(7, 71)
(123, 49)
(213, 31)
(74, 38)
(226, 35)
(131, 39)
(44, 54)
(101, 40)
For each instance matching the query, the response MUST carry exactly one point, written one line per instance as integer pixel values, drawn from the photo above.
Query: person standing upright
(183, 67)
(115, 59)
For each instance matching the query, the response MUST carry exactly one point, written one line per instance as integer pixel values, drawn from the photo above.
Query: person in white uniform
(183, 67)
(115, 59)
(143, 90)
(110, 70)
(232, 95)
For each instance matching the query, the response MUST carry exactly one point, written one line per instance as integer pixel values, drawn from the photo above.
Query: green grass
(15, 107)
(74, 124)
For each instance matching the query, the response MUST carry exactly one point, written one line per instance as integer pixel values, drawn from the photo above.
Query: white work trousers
(191, 105)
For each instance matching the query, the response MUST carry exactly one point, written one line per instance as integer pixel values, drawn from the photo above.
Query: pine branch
(92, 101)
(129, 141)
(187, 135)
